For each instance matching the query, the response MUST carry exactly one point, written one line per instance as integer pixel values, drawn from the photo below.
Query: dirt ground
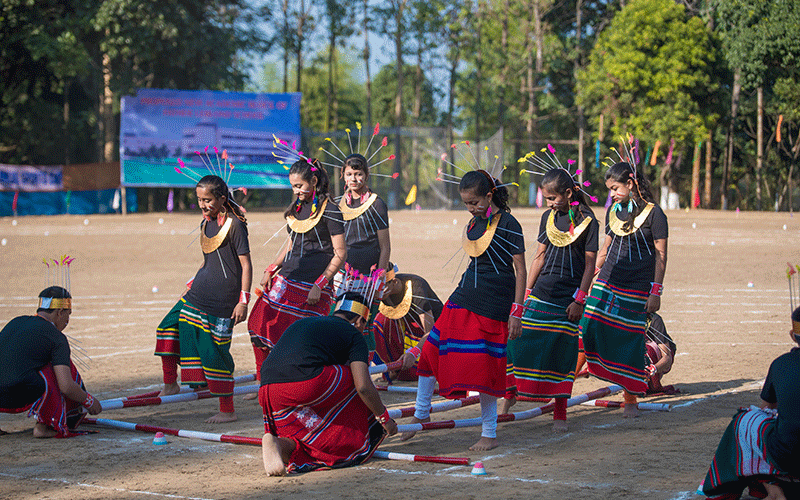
(725, 304)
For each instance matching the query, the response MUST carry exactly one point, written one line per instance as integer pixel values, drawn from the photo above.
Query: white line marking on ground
(756, 384)
(108, 488)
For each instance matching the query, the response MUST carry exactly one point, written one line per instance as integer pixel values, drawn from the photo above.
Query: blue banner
(159, 127)
(30, 178)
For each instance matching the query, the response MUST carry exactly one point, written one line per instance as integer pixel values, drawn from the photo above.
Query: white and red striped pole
(184, 389)
(509, 417)
(227, 438)
(207, 436)
(620, 404)
(420, 458)
(388, 367)
(116, 404)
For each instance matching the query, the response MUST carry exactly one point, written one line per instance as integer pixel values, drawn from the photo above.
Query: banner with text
(30, 178)
(158, 127)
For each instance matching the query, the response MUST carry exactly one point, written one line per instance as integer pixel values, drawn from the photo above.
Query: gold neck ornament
(401, 309)
(616, 225)
(306, 225)
(210, 244)
(475, 248)
(352, 213)
(560, 238)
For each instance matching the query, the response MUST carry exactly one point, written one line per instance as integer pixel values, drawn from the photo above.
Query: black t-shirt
(563, 267)
(490, 292)
(309, 345)
(656, 331)
(423, 298)
(217, 284)
(631, 260)
(361, 234)
(312, 251)
(28, 343)
(782, 387)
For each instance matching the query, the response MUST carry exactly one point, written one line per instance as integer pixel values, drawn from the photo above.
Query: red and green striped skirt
(203, 343)
(613, 332)
(541, 361)
(393, 337)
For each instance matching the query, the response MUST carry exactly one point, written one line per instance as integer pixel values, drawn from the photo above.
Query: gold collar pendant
(401, 309)
(210, 244)
(352, 213)
(615, 224)
(475, 248)
(562, 238)
(306, 225)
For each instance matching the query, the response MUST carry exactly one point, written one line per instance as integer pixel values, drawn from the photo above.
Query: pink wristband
(384, 417)
(579, 296)
(517, 310)
(271, 269)
(321, 282)
(415, 351)
(244, 297)
(656, 289)
(528, 292)
(88, 402)
(189, 283)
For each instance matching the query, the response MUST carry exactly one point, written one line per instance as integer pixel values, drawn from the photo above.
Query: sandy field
(129, 271)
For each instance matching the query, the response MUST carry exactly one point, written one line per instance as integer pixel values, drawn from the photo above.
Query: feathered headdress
(58, 275)
(358, 291)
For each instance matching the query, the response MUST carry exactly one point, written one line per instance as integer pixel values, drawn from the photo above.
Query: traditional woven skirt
(203, 343)
(327, 420)
(613, 331)
(541, 361)
(50, 407)
(741, 459)
(465, 352)
(393, 337)
(285, 303)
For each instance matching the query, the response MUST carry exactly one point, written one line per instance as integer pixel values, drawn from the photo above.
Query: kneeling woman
(321, 409)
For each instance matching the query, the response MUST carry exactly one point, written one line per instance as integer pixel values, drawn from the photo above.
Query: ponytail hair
(482, 182)
(558, 180)
(622, 172)
(308, 169)
(217, 187)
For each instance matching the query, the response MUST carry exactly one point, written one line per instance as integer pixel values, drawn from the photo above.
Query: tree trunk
(759, 143)
(478, 73)
(394, 194)
(736, 91)
(285, 8)
(301, 20)
(577, 66)
(695, 201)
(450, 111)
(709, 177)
(331, 49)
(531, 112)
(366, 64)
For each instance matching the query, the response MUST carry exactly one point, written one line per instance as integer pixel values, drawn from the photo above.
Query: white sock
(425, 387)
(488, 416)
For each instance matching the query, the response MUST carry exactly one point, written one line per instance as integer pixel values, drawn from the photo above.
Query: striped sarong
(203, 343)
(541, 361)
(393, 337)
(741, 459)
(52, 408)
(613, 332)
(465, 352)
(285, 303)
(329, 423)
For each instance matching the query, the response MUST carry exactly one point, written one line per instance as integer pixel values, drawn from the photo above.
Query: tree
(650, 74)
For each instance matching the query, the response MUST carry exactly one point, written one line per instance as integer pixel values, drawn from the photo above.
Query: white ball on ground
(85, 222)
(155, 289)
(750, 284)
(14, 222)
(3, 242)
(455, 221)
(160, 221)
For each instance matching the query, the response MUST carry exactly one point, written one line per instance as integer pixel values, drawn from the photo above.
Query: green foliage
(650, 74)
(384, 89)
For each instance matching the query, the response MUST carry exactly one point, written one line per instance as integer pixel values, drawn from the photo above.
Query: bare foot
(42, 431)
(484, 444)
(774, 492)
(170, 389)
(505, 405)
(405, 436)
(270, 450)
(222, 417)
(631, 411)
(251, 396)
(560, 426)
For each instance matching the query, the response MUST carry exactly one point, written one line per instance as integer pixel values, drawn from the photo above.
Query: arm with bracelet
(240, 311)
(515, 315)
(336, 263)
(653, 303)
(575, 309)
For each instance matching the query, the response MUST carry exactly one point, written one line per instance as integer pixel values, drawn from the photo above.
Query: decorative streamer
(620, 404)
